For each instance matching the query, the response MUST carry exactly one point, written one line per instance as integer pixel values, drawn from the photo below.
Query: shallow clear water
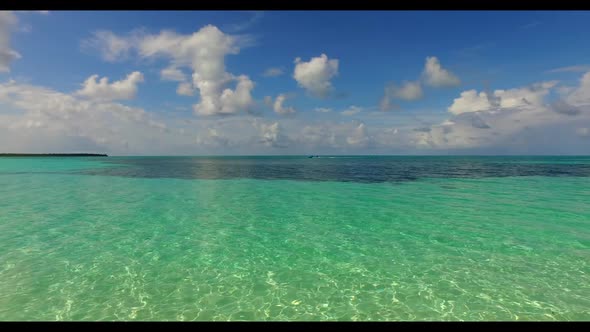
(292, 238)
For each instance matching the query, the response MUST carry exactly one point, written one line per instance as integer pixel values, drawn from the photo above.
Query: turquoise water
(284, 239)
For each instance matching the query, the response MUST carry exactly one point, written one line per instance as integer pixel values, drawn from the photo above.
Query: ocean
(379, 238)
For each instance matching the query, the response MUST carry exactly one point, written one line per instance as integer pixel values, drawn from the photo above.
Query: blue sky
(498, 82)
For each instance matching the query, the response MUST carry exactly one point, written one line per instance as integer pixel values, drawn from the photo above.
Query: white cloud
(315, 75)
(511, 120)
(318, 135)
(435, 75)
(470, 101)
(571, 69)
(273, 72)
(39, 119)
(278, 105)
(185, 89)
(526, 98)
(173, 74)
(54, 121)
(407, 91)
(103, 90)
(203, 51)
(323, 109)
(580, 96)
(228, 102)
(271, 135)
(385, 104)
(531, 97)
(352, 110)
(336, 137)
(563, 107)
(110, 46)
(214, 137)
(359, 136)
(7, 55)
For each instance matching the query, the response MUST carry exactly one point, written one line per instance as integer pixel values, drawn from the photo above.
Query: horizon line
(287, 155)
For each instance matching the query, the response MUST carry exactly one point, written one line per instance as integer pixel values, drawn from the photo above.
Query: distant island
(52, 155)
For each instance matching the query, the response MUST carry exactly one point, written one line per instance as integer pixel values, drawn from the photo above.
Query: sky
(295, 82)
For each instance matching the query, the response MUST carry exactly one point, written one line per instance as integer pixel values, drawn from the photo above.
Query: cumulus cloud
(359, 136)
(228, 102)
(7, 55)
(273, 72)
(478, 122)
(173, 74)
(511, 119)
(318, 135)
(216, 138)
(531, 97)
(409, 90)
(185, 89)
(315, 75)
(580, 96)
(279, 108)
(203, 52)
(470, 101)
(39, 119)
(435, 75)
(90, 119)
(272, 135)
(336, 137)
(103, 90)
(385, 104)
(563, 107)
(352, 110)
(48, 119)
